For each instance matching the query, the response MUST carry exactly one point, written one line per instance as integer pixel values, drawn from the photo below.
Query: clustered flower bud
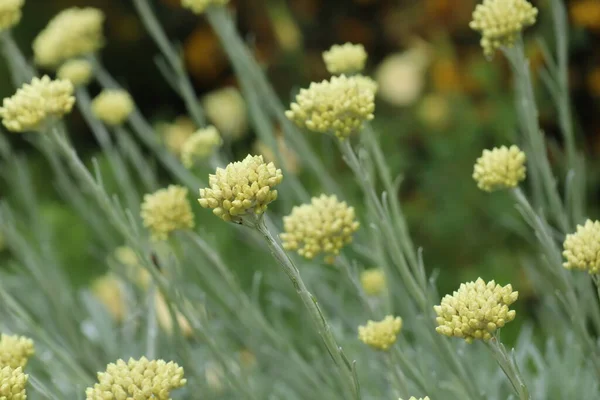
(373, 281)
(72, 33)
(78, 71)
(227, 110)
(242, 188)
(324, 226)
(137, 379)
(175, 134)
(380, 335)
(347, 58)
(500, 168)
(10, 13)
(15, 351)
(200, 145)
(166, 211)
(113, 106)
(12, 384)
(36, 102)
(199, 6)
(501, 21)
(476, 310)
(582, 248)
(339, 106)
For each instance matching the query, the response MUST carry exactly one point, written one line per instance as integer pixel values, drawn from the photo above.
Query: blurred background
(440, 102)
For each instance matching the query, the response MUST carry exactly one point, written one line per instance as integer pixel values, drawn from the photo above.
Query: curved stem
(508, 365)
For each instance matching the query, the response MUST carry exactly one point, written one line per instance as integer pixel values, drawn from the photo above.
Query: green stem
(20, 69)
(511, 370)
(152, 323)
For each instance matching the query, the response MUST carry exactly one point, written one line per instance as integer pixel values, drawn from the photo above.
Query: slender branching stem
(508, 365)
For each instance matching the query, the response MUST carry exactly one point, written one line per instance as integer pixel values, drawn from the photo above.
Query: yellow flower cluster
(200, 145)
(500, 168)
(501, 21)
(582, 249)
(380, 335)
(15, 351)
(166, 211)
(323, 226)
(72, 33)
(347, 58)
(476, 310)
(227, 110)
(137, 379)
(109, 291)
(176, 133)
(12, 384)
(373, 281)
(113, 106)
(10, 13)
(36, 102)
(78, 71)
(242, 188)
(199, 6)
(338, 106)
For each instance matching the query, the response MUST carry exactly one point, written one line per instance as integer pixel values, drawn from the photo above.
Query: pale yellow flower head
(10, 13)
(36, 103)
(339, 106)
(113, 106)
(72, 33)
(500, 168)
(476, 310)
(501, 21)
(78, 71)
(199, 6)
(347, 58)
(12, 384)
(15, 351)
(242, 188)
(373, 281)
(324, 226)
(200, 145)
(108, 290)
(582, 248)
(227, 110)
(380, 335)
(166, 211)
(175, 134)
(137, 379)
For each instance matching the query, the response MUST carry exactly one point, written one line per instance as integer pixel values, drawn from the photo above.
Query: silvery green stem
(130, 149)
(20, 69)
(409, 368)
(152, 323)
(509, 366)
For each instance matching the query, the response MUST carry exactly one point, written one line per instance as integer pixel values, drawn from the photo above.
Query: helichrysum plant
(12, 383)
(15, 351)
(10, 13)
(380, 335)
(167, 210)
(582, 248)
(373, 281)
(500, 168)
(113, 107)
(200, 145)
(347, 59)
(78, 71)
(199, 6)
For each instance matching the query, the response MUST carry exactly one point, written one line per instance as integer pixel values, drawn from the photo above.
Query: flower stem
(508, 365)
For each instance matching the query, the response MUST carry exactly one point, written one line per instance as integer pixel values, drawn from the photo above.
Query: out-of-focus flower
(227, 111)
(78, 71)
(136, 272)
(113, 106)
(446, 75)
(166, 211)
(582, 248)
(593, 81)
(242, 188)
(500, 168)
(177, 133)
(199, 6)
(164, 317)
(247, 358)
(108, 290)
(324, 226)
(200, 145)
(137, 379)
(214, 377)
(15, 351)
(10, 13)
(12, 383)
(380, 335)
(347, 58)
(339, 106)
(373, 281)
(289, 157)
(501, 21)
(286, 29)
(585, 13)
(434, 111)
(72, 33)
(37, 102)
(476, 310)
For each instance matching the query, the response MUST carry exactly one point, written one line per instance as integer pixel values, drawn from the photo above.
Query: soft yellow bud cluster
(366, 83)
(347, 58)
(175, 134)
(199, 6)
(338, 106)
(15, 351)
(113, 106)
(78, 71)
(12, 384)
(420, 398)
(476, 310)
(108, 290)
(137, 379)
(72, 33)
(10, 13)
(373, 281)
(36, 102)
(227, 110)
(324, 226)
(200, 145)
(500, 168)
(243, 187)
(166, 211)
(501, 21)
(582, 249)
(380, 335)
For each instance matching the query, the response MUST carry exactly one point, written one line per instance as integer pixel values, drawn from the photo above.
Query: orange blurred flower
(586, 13)
(593, 82)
